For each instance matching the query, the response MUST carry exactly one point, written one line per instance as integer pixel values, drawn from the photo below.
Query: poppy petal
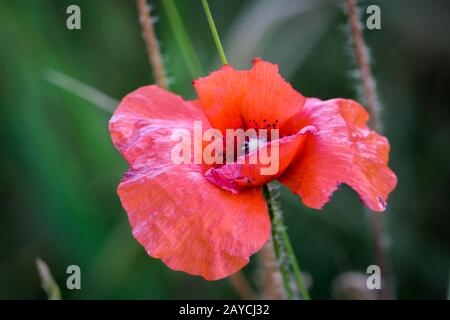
(175, 213)
(142, 126)
(257, 98)
(191, 224)
(260, 166)
(220, 95)
(344, 150)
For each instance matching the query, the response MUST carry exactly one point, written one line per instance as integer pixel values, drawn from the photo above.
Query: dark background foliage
(59, 170)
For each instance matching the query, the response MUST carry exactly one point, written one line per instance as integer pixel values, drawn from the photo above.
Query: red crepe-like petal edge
(269, 101)
(175, 213)
(220, 96)
(144, 121)
(255, 98)
(343, 150)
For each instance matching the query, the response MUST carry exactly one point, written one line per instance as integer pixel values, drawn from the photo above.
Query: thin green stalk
(82, 90)
(212, 26)
(182, 38)
(283, 249)
(293, 262)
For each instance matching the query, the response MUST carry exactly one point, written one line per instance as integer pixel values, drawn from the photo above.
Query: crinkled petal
(260, 166)
(255, 98)
(175, 213)
(142, 126)
(191, 224)
(344, 150)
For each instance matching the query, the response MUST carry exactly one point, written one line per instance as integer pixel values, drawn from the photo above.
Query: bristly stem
(287, 261)
(369, 91)
(282, 266)
(148, 33)
(362, 57)
(212, 26)
(182, 38)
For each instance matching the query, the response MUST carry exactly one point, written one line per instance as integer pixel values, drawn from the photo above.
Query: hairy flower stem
(370, 96)
(288, 264)
(362, 57)
(148, 33)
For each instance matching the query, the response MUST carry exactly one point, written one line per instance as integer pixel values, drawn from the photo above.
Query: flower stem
(148, 33)
(362, 58)
(379, 235)
(212, 26)
(282, 267)
(182, 38)
(288, 264)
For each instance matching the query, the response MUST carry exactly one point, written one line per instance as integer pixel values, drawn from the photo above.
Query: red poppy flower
(207, 220)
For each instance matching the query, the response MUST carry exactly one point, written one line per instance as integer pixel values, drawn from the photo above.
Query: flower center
(254, 143)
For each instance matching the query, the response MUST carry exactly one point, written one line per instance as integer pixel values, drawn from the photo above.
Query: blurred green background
(59, 170)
